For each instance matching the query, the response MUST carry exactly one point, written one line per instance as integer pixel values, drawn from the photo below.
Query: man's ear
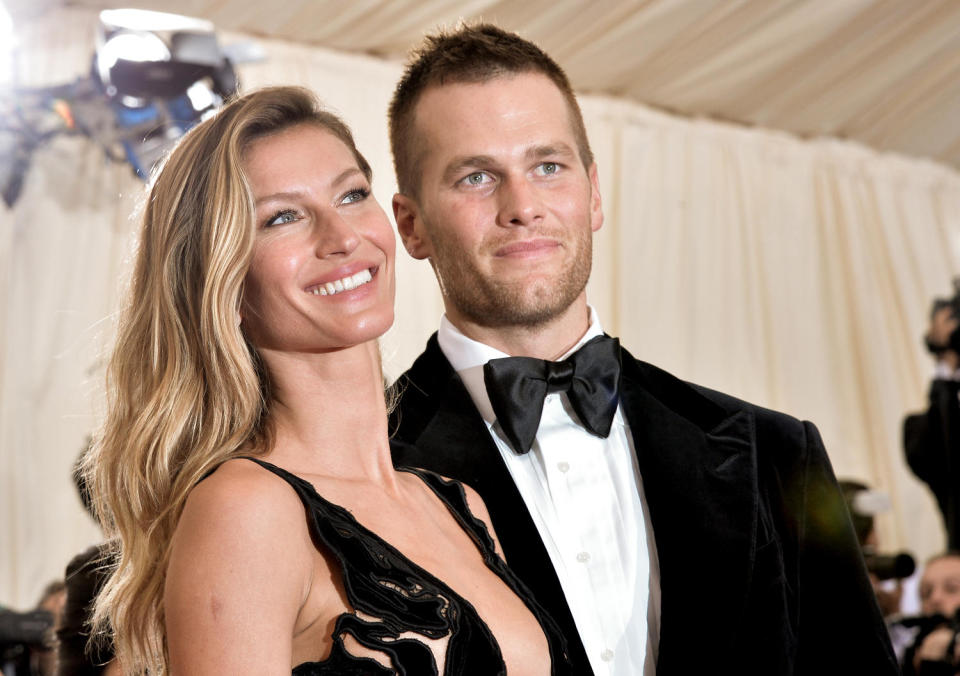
(596, 204)
(406, 212)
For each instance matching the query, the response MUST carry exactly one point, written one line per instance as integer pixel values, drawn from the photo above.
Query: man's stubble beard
(497, 303)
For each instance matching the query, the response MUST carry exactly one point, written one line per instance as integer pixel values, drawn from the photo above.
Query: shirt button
(563, 467)
(607, 655)
(583, 557)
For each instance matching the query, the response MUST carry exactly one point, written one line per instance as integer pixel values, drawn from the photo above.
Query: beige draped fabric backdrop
(796, 274)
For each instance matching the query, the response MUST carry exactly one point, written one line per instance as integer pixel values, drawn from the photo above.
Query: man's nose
(936, 602)
(520, 203)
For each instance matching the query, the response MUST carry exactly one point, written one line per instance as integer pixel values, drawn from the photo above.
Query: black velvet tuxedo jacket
(760, 571)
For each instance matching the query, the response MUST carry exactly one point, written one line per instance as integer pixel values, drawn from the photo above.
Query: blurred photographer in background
(887, 570)
(85, 576)
(27, 640)
(931, 440)
(935, 651)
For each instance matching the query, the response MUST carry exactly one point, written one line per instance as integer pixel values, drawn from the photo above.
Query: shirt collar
(467, 357)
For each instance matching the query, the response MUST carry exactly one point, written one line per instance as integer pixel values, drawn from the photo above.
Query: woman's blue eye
(357, 195)
(285, 216)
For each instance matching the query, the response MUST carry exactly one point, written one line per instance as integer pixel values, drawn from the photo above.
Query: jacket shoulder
(708, 407)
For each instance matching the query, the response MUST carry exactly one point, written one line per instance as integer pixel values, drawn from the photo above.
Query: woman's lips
(347, 282)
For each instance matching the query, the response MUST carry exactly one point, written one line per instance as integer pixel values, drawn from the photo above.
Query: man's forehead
(452, 112)
(945, 566)
(452, 90)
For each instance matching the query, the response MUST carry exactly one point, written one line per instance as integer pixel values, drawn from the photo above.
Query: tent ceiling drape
(885, 73)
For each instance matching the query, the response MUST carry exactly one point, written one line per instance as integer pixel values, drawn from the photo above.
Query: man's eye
(549, 168)
(281, 217)
(476, 178)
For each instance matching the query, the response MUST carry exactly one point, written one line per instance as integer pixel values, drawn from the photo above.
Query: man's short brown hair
(471, 54)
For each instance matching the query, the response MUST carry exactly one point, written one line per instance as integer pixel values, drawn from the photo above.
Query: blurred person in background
(27, 640)
(935, 651)
(931, 439)
(52, 600)
(887, 571)
(84, 577)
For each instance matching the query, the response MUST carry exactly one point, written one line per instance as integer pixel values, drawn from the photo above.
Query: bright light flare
(200, 96)
(133, 47)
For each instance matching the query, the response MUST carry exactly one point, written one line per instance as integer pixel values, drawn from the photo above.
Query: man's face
(940, 586)
(506, 209)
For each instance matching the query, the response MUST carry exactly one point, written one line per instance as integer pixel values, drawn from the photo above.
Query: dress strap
(289, 477)
(452, 495)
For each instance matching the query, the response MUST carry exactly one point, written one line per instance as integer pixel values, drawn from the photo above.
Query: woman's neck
(329, 415)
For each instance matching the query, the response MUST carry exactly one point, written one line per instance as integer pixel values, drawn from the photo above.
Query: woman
(245, 389)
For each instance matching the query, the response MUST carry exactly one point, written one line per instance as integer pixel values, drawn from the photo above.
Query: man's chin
(527, 298)
(510, 310)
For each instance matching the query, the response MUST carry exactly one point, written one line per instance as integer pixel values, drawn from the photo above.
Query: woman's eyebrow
(295, 194)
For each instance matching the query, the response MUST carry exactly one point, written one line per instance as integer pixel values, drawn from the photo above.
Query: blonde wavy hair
(185, 390)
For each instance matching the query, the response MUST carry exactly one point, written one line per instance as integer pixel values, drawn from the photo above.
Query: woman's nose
(335, 236)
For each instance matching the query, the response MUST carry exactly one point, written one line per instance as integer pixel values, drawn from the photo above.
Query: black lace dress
(393, 596)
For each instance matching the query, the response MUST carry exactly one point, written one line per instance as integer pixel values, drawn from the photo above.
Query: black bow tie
(590, 377)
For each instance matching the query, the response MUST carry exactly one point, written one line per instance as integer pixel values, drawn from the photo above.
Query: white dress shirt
(586, 498)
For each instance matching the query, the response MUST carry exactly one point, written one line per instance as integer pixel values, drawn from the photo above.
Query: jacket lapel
(437, 416)
(698, 466)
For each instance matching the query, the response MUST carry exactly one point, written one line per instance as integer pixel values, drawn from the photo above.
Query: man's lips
(525, 248)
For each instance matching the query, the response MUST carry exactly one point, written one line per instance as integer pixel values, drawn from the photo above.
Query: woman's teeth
(345, 284)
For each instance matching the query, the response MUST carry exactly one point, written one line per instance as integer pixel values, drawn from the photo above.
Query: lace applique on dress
(396, 600)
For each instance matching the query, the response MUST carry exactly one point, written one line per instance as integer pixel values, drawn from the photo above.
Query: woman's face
(321, 275)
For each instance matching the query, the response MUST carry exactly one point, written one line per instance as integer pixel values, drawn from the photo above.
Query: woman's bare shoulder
(241, 566)
(241, 495)
(245, 519)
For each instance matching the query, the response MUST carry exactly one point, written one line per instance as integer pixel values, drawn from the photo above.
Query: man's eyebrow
(539, 151)
(458, 164)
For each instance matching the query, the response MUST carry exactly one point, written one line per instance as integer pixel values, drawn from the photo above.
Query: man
(931, 439)
(667, 528)
(936, 649)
